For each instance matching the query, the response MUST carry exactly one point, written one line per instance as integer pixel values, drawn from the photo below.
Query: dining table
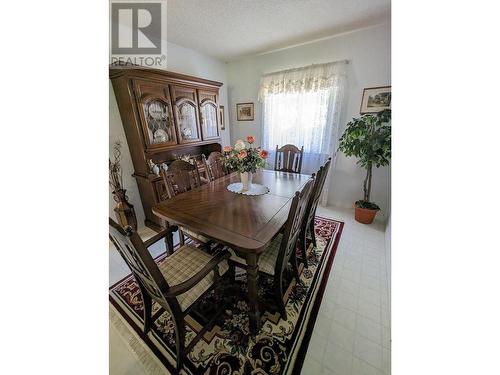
(245, 223)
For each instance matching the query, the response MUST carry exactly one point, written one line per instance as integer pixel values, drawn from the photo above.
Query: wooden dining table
(245, 223)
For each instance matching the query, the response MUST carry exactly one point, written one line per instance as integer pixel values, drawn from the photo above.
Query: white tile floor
(352, 331)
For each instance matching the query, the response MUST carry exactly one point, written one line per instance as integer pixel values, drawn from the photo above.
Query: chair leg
(293, 260)
(229, 287)
(278, 291)
(313, 235)
(303, 247)
(180, 336)
(148, 304)
(232, 271)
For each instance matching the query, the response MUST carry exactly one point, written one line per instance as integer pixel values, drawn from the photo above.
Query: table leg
(169, 239)
(169, 242)
(253, 297)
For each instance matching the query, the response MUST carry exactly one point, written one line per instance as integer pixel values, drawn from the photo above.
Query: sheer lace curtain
(302, 107)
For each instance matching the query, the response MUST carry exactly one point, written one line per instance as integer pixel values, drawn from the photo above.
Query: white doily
(253, 189)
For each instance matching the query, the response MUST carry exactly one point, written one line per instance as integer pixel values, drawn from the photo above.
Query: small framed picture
(375, 99)
(221, 118)
(244, 111)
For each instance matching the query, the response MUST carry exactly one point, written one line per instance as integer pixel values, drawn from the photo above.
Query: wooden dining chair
(288, 158)
(283, 248)
(308, 224)
(215, 165)
(180, 178)
(176, 284)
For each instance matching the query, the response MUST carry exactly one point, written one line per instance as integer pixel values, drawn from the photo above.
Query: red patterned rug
(279, 348)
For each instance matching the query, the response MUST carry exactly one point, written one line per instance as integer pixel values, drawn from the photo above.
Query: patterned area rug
(280, 346)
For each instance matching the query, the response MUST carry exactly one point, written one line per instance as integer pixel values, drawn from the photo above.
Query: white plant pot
(246, 180)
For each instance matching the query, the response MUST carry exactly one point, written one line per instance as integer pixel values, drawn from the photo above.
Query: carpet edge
(301, 356)
(135, 344)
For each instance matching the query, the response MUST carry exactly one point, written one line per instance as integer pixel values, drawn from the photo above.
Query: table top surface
(246, 223)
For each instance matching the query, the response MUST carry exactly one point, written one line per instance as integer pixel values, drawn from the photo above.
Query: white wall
(180, 60)
(369, 55)
(387, 238)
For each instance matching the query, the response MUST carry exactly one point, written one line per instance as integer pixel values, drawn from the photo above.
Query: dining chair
(308, 223)
(176, 284)
(180, 178)
(215, 166)
(199, 162)
(288, 158)
(282, 250)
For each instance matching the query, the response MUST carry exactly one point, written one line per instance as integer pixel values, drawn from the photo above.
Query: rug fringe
(148, 360)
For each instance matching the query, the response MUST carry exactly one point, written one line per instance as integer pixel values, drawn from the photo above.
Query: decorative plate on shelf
(157, 111)
(187, 133)
(254, 189)
(161, 136)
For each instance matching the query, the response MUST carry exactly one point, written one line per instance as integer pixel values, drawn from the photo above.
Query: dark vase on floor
(124, 211)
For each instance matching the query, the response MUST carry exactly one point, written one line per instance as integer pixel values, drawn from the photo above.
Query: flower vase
(246, 180)
(124, 211)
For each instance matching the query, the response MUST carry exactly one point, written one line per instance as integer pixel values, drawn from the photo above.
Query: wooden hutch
(165, 115)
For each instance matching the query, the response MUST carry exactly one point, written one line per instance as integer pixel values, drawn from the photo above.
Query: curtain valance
(310, 78)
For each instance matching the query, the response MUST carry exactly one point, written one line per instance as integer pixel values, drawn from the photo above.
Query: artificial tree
(369, 139)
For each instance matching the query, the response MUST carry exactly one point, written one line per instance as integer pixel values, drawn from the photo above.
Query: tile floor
(352, 332)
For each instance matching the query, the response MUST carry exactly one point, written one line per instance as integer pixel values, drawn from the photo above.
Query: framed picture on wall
(244, 111)
(221, 118)
(375, 99)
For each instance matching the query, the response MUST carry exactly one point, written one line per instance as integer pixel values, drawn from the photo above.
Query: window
(297, 118)
(302, 107)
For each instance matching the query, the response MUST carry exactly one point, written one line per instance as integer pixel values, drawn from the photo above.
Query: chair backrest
(181, 177)
(319, 183)
(214, 156)
(288, 159)
(293, 226)
(141, 263)
(215, 166)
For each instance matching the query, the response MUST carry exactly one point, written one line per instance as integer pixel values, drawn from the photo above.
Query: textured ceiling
(231, 29)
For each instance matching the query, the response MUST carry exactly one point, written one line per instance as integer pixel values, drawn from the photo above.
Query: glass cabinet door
(187, 121)
(159, 123)
(155, 112)
(209, 123)
(186, 113)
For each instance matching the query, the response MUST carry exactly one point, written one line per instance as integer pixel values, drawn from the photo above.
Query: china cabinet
(165, 115)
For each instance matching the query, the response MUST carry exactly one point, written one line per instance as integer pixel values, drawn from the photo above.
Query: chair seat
(183, 264)
(194, 235)
(267, 259)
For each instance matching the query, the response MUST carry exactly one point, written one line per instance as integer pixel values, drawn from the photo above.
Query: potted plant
(369, 139)
(124, 211)
(245, 159)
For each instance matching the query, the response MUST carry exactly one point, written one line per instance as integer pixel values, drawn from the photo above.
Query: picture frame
(222, 122)
(375, 99)
(245, 111)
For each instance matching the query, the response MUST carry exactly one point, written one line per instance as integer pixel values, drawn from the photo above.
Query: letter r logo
(136, 28)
